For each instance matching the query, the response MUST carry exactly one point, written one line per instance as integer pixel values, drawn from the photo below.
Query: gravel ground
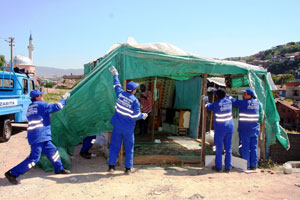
(89, 180)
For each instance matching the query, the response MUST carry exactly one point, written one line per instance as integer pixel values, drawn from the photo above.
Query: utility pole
(11, 44)
(11, 50)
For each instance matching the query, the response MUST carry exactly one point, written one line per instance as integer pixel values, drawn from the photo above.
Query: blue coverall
(87, 143)
(223, 125)
(127, 112)
(249, 114)
(39, 137)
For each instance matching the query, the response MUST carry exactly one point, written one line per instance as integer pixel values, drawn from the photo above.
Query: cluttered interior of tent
(174, 122)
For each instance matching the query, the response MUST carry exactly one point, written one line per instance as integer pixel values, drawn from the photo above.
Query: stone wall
(280, 155)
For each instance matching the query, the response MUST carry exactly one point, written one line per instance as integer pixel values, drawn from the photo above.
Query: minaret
(30, 48)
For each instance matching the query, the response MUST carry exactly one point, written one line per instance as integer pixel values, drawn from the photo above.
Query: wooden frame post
(262, 135)
(264, 140)
(204, 113)
(154, 108)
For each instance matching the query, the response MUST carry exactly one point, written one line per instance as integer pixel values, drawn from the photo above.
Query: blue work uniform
(39, 137)
(249, 113)
(87, 143)
(127, 112)
(223, 125)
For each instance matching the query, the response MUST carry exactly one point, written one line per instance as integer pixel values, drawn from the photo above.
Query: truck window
(6, 83)
(32, 86)
(25, 86)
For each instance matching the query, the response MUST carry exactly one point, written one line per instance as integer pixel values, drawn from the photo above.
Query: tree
(49, 85)
(288, 78)
(2, 60)
(283, 79)
(276, 79)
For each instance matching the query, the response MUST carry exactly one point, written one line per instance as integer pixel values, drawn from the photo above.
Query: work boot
(252, 168)
(111, 168)
(85, 155)
(226, 170)
(215, 169)
(64, 171)
(11, 178)
(129, 171)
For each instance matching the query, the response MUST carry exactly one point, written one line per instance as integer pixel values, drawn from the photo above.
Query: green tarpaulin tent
(91, 105)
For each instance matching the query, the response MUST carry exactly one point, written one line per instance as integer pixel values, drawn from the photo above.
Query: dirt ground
(89, 180)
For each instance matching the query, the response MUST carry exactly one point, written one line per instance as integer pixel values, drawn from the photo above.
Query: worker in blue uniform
(250, 113)
(39, 136)
(87, 143)
(223, 125)
(127, 112)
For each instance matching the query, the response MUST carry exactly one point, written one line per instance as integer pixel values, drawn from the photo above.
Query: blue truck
(15, 88)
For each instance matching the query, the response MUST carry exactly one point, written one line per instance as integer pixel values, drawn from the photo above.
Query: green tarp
(188, 95)
(91, 105)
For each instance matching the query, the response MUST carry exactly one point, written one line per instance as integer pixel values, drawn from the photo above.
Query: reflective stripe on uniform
(34, 127)
(93, 141)
(127, 114)
(223, 115)
(223, 119)
(117, 85)
(55, 157)
(60, 105)
(122, 107)
(35, 122)
(30, 165)
(248, 117)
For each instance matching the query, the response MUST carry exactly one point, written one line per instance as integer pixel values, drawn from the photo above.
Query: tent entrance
(171, 112)
(169, 138)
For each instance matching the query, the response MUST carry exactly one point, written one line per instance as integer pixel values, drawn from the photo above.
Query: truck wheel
(5, 130)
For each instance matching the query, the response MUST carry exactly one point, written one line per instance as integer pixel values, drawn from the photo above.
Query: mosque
(21, 62)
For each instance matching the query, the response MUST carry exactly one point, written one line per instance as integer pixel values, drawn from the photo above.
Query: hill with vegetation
(283, 61)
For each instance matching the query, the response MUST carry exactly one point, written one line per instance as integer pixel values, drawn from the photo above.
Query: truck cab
(14, 99)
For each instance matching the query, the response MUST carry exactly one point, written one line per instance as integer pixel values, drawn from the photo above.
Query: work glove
(145, 115)
(204, 98)
(228, 96)
(113, 70)
(210, 89)
(66, 96)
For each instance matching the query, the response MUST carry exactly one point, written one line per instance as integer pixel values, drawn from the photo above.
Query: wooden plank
(200, 141)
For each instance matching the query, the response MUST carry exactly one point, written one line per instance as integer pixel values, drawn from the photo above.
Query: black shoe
(215, 169)
(226, 170)
(111, 168)
(129, 171)
(11, 178)
(85, 155)
(252, 168)
(64, 171)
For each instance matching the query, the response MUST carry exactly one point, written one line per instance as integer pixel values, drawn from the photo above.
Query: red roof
(289, 105)
(292, 84)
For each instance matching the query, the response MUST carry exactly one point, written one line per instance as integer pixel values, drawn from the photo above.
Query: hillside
(50, 72)
(281, 59)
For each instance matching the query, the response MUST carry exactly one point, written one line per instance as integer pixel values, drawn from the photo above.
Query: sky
(69, 33)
